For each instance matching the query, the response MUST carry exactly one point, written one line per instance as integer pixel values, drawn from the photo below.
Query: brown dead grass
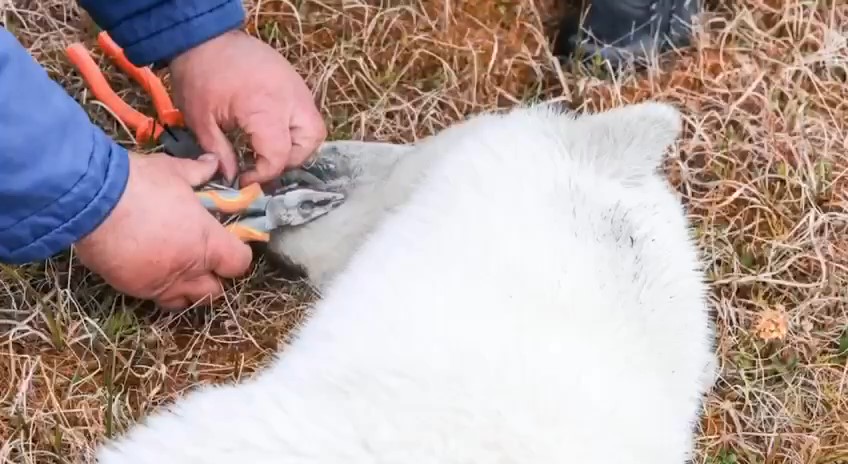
(761, 166)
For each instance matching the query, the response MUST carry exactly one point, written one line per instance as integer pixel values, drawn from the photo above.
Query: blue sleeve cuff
(84, 207)
(156, 31)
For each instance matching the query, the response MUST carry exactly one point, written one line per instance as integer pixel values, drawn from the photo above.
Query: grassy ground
(761, 166)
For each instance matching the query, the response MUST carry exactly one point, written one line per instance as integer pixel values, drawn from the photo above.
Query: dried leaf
(772, 325)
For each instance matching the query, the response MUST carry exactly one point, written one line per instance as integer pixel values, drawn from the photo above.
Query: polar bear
(521, 287)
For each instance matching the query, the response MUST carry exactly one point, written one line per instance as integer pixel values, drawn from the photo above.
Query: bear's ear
(628, 141)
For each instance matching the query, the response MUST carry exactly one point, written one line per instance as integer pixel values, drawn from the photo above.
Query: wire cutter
(291, 207)
(169, 130)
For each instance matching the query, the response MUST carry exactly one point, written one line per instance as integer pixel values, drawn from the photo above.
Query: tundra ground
(761, 167)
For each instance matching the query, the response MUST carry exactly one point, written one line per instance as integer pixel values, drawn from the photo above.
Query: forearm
(60, 175)
(152, 31)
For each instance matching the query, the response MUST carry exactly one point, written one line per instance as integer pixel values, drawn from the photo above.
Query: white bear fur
(519, 288)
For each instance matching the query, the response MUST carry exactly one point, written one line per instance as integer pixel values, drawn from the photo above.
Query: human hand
(160, 243)
(235, 80)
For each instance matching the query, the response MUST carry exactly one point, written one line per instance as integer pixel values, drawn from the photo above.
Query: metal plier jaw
(300, 206)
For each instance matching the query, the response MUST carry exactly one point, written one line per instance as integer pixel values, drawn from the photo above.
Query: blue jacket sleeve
(60, 176)
(154, 31)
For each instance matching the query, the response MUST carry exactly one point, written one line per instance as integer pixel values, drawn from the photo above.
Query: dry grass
(762, 167)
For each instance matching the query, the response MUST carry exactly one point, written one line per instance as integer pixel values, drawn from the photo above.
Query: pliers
(169, 130)
(289, 207)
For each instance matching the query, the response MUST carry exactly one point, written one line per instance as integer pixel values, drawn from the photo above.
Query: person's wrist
(111, 217)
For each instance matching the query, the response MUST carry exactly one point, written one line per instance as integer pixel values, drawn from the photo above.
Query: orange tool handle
(145, 128)
(151, 84)
(248, 234)
(230, 202)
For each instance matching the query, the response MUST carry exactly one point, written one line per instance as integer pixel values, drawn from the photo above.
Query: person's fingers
(226, 254)
(203, 287)
(300, 153)
(195, 172)
(212, 139)
(188, 292)
(173, 303)
(272, 143)
(264, 170)
(308, 132)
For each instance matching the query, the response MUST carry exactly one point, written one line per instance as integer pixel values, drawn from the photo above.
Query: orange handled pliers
(169, 130)
(289, 208)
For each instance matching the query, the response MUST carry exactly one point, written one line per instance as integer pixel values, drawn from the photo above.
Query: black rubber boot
(627, 31)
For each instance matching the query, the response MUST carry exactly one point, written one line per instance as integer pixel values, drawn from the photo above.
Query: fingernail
(208, 157)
